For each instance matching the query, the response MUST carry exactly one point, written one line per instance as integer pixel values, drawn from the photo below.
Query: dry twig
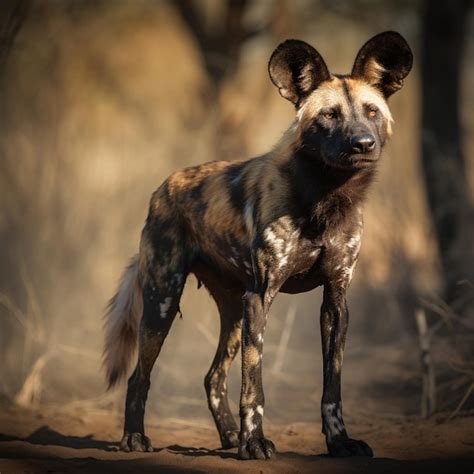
(428, 397)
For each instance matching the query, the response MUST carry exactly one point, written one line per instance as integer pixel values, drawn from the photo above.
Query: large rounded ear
(296, 68)
(384, 61)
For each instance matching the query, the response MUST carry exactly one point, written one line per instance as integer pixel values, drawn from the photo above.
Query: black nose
(362, 143)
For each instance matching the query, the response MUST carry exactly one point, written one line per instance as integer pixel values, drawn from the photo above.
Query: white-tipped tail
(122, 320)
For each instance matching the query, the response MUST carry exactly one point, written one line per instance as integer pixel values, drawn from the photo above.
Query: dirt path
(80, 440)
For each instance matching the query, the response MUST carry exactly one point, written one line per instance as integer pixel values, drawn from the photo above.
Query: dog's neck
(325, 193)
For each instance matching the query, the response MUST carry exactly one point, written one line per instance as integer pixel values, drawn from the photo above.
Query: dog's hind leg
(229, 303)
(163, 282)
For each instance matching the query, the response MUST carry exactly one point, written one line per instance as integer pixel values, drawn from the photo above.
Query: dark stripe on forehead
(350, 101)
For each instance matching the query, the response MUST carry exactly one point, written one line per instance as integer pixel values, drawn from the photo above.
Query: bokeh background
(101, 100)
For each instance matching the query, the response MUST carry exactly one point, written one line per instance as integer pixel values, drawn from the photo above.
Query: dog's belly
(211, 275)
(231, 267)
(223, 260)
(301, 283)
(228, 258)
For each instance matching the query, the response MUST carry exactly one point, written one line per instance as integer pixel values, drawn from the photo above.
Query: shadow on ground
(45, 436)
(27, 456)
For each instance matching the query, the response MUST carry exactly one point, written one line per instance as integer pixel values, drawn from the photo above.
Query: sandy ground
(73, 440)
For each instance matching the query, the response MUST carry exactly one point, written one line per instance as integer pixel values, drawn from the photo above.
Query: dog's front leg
(253, 444)
(334, 322)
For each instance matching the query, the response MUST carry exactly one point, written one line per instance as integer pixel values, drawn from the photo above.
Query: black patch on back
(196, 191)
(235, 180)
(199, 204)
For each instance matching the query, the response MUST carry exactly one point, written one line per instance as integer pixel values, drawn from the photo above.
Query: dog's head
(343, 120)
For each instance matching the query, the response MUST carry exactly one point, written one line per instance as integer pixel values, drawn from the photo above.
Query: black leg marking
(216, 385)
(161, 297)
(253, 444)
(229, 304)
(334, 322)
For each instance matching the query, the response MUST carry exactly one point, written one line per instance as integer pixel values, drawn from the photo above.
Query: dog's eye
(372, 111)
(329, 114)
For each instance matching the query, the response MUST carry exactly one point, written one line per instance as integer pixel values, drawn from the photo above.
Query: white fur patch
(248, 216)
(332, 420)
(215, 401)
(281, 237)
(165, 306)
(354, 242)
(348, 272)
(248, 420)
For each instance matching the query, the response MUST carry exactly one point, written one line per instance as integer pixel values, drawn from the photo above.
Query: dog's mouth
(363, 161)
(353, 162)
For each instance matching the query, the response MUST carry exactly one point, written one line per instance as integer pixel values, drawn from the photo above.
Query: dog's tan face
(343, 120)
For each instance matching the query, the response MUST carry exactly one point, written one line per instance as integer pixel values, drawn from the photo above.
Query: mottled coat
(287, 221)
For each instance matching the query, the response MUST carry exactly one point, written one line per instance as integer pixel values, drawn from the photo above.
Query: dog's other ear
(384, 61)
(296, 68)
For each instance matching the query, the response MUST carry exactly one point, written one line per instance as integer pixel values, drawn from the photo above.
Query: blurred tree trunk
(220, 43)
(12, 16)
(219, 46)
(443, 44)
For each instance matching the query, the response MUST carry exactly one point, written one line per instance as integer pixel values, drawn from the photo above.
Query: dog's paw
(340, 447)
(230, 439)
(135, 442)
(257, 448)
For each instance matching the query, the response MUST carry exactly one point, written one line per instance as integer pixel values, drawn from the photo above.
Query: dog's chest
(301, 258)
(286, 249)
(288, 254)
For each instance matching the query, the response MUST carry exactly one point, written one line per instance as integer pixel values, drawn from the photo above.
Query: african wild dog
(288, 221)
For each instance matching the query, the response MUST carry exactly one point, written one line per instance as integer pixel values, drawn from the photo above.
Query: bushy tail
(122, 320)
